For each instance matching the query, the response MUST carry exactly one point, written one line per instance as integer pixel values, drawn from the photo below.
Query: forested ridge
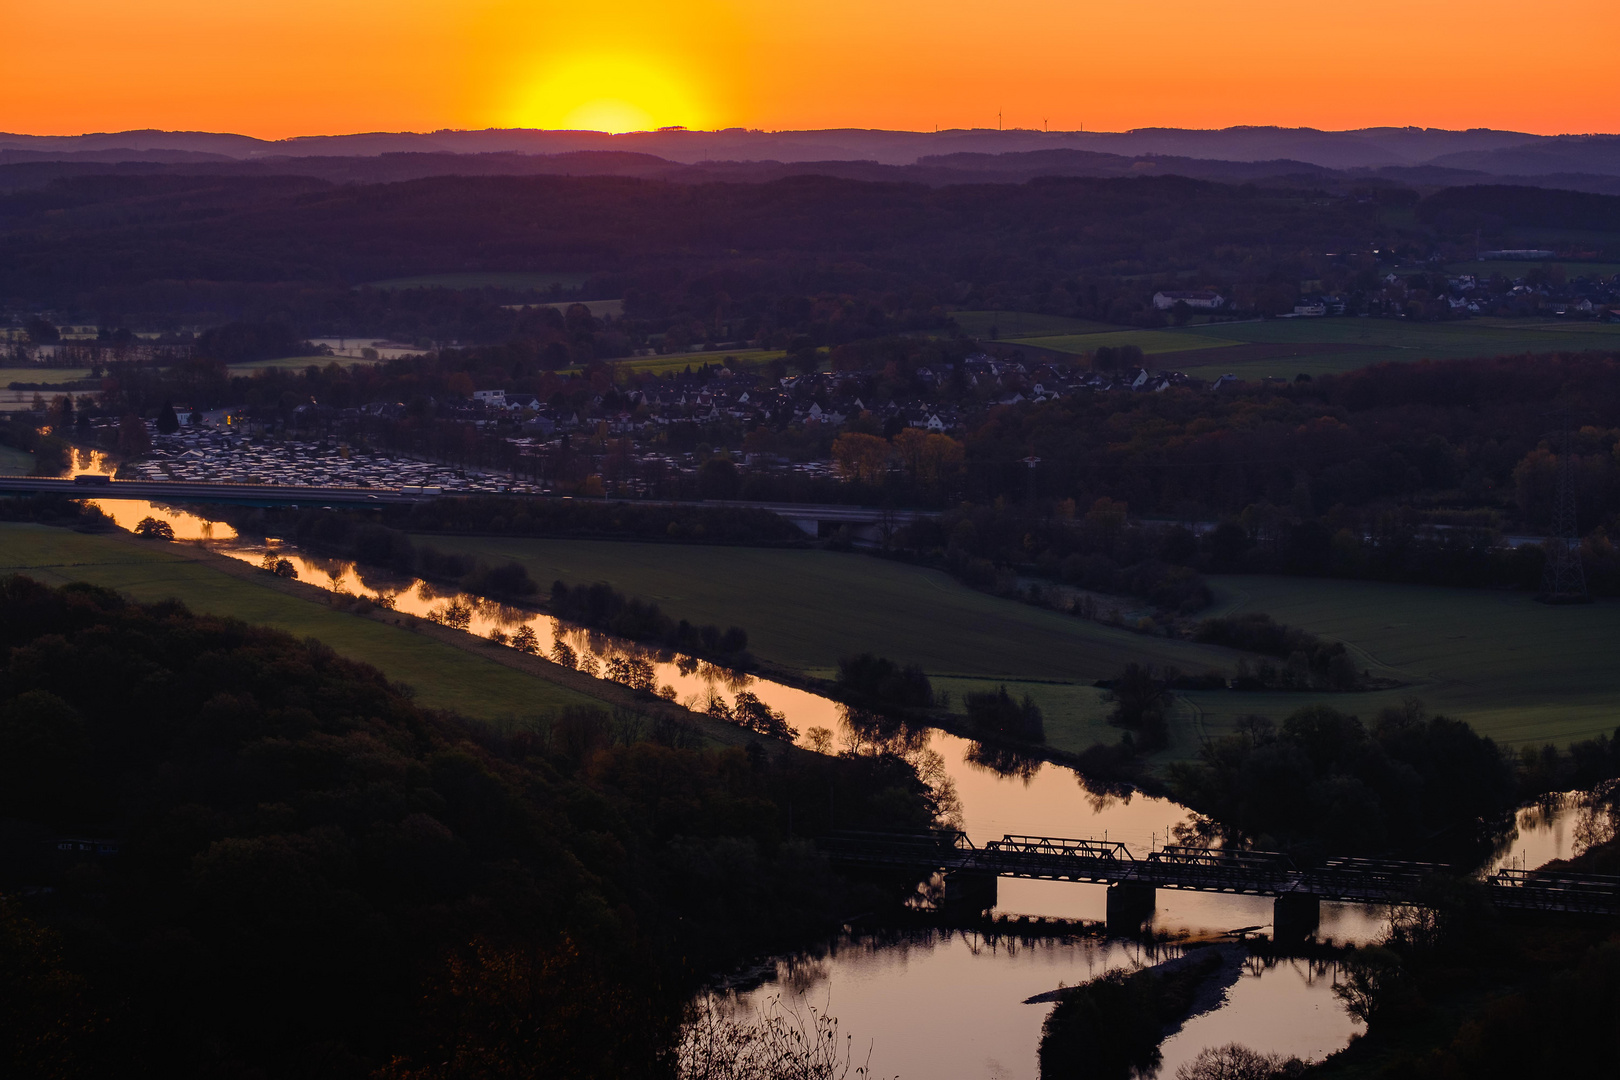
(276, 864)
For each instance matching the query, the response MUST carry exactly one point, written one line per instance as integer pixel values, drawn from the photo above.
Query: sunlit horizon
(310, 68)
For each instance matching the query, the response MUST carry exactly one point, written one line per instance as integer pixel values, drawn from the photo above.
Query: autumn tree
(861, 457)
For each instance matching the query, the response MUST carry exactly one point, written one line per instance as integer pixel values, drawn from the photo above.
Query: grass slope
(14, 462)
(443, 676)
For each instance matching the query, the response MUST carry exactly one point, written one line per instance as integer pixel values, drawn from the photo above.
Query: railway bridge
(971, 873)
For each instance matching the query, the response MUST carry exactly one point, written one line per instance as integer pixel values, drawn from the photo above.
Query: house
(1225, 381)
(492, 399)
(1140, 381)
(1198, 301)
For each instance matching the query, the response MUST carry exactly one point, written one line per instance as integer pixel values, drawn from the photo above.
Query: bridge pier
(966, 890)
(1130, 904)
(1295, 916)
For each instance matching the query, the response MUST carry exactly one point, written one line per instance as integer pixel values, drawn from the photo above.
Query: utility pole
(1564, 580)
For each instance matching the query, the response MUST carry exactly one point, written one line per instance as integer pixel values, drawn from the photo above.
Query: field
(1287, 347)
(1512, 269)
(538, 280)
(1151, 342)
(297, 363)
(442, 675)
(805, 609)
(672, 362)
(1016, 324)
(1519, 671)
(14, 462)
(47, 376)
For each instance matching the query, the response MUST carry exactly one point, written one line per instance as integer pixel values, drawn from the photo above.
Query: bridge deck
(1255, 873)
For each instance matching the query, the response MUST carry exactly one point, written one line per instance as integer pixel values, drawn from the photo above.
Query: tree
(861, 457)
(1234, 1061)
(755, 715)
(524, 641)
(133, 441)
(60, 414)
(1371, 977)
(1139, 700)
(151, 528)
(167, 422)
(996, 713)
(41, 332)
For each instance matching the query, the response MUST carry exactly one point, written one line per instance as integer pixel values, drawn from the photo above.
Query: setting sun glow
(607, 93)
(303, 67)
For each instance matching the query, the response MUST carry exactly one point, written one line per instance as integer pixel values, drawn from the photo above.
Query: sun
(613, 93)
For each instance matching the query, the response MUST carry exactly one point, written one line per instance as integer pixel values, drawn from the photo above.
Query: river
(951, 1003)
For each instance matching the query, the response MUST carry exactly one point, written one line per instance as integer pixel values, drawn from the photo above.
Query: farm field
(1518, 671)
(1151, 342)
(442, 675)
(1317, 346)
(671, 362)
(297, 363)
(805, 609)
(45, 376)
(1016, 324)
(1514, 269)
(522, 279)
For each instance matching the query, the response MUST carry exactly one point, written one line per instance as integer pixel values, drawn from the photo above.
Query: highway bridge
(172, 491)
(809, 517)
(970, 873)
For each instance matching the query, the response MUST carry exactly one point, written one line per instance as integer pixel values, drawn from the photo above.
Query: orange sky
(292, 67)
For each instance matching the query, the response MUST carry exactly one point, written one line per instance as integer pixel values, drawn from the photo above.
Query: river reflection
(951, 1003)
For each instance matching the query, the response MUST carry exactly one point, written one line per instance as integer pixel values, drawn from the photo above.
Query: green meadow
(14, 462)
(1513, 269)
(297, 363)
(803, 610)
(1287, 347)
(1518, 671)
(1151, 342)
(1016, 324)
(442, 675)
(672, 362)
(45, 376)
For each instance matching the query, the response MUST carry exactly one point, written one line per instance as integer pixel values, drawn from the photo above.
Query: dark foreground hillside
(224, 852)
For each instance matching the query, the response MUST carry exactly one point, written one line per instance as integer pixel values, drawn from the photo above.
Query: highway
(806, 515)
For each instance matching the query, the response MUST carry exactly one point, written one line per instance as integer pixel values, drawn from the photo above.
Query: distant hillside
(1369, 148)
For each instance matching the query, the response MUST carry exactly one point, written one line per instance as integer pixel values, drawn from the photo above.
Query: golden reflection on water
(127, 513)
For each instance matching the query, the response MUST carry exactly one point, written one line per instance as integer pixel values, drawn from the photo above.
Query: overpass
(971, 873)
(267, 495)
(867, 522)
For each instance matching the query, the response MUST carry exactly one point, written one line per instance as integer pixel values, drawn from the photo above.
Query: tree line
(287, 866)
